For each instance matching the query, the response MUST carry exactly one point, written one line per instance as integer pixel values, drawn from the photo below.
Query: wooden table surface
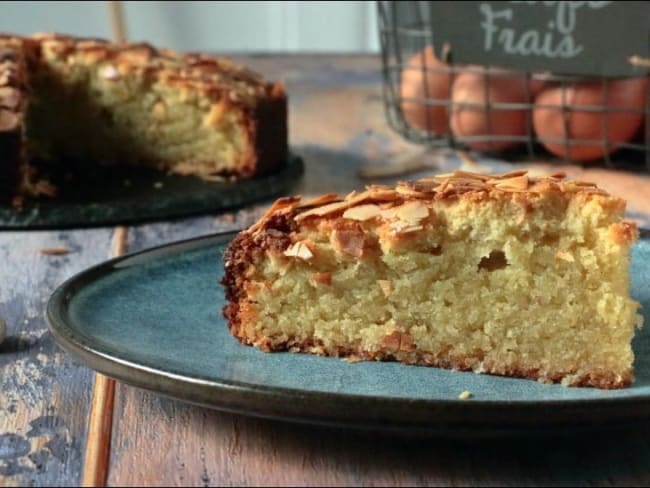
(337, 125)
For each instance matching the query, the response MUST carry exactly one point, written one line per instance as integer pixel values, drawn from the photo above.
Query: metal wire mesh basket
(425, 104)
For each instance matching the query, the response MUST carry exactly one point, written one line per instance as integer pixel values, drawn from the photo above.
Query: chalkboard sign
(582, 38)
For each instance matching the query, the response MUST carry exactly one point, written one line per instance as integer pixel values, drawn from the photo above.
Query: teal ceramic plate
(153, 319)
(114, 196)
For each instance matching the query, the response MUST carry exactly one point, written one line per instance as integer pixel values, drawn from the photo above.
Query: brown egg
(535, 86)
(481, 119)
(581, 124)
(422, 78)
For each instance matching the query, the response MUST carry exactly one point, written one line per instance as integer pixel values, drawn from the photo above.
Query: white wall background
(236, 26)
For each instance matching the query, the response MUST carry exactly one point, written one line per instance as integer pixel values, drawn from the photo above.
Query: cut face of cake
(507, 275)
(73, 101)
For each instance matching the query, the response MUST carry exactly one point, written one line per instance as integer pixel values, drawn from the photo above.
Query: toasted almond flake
(376, 196)
(348, 241)
(324, 210)
(388, 213)
(386, 287)
(284, 203)
(299, 250)
(465, 395)
(565, 256)
(511, 174)
(519, 182)
(400, 227)
(322, 200)
(362, 212)
(412, 212)
(408, 191)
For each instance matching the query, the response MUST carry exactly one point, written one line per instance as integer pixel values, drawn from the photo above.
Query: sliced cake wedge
(501, 274)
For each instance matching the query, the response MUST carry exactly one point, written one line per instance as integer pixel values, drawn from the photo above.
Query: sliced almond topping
(389, 213)
(386, 287)
(348, 241)
(413, 212)
(376, 196)
(565, 256)
(322, 200)
(299, 250)
(377, 188)
(362, 212)
(279, 205)
(581, 183)
(517, 183)
(511, 174)
(400, 227)
(324, 210)
(409, 191)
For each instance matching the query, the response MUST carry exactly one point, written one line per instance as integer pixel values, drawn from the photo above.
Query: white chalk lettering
(557, 41)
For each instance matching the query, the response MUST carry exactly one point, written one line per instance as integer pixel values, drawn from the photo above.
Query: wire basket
(423, 97)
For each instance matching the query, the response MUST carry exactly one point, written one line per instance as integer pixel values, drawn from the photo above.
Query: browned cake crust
(276, 232)
(13, 88)
(229, 86)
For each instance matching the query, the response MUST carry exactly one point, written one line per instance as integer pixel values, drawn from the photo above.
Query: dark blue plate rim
(445, 416)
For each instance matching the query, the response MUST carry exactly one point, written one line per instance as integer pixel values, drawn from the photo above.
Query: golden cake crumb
(465, 395)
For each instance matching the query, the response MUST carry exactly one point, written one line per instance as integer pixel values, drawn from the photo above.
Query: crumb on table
(465, 395)
(54, 251)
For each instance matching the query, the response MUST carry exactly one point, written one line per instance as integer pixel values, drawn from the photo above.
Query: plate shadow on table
(362, 457)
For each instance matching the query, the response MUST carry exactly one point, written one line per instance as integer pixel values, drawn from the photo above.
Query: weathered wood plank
(44, 393)
(202, 447)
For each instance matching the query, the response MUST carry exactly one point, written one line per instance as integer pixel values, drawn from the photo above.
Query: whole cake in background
(67, 101)
(502, 274)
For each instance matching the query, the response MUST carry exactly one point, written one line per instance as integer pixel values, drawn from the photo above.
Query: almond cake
(502, 274)
(70, 101)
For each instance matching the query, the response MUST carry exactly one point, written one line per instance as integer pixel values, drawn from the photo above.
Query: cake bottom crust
(404, 353)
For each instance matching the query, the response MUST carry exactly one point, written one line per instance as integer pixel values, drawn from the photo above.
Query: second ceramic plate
(130, 195)
(153, 319)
